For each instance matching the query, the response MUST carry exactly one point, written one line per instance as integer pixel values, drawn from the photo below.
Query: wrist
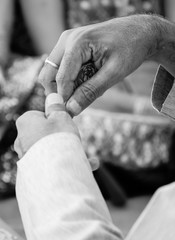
(144, 34)
(152, 36)
(164, 51)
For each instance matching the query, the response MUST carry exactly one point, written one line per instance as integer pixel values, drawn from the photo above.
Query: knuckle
(161, 192)
(64, 115)
(19, 122)
(69, 53)
(41, 77)
(60, 78)
(65, 34)
(90, 92)
(21, 119)
(47, 75)
(16, 144)
(26, 114)
(45, 82)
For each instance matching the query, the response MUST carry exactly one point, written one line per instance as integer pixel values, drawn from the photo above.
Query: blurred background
(135, 145)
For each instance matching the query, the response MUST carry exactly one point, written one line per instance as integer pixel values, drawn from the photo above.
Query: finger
(25, 119)
(47, 79)
(68, 71)
(54, 103)
(56, 111)
(74, 57)
(27, 116)
(95, 163)
(17, 148)
(48, 73)
(93, 88)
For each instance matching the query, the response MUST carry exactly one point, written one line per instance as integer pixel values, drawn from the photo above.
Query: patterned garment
(19, 94)
(83, 12)
(132, 142)
(6, 235)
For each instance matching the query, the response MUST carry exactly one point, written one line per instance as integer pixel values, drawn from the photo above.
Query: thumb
(91, 89)
(54, 103)
(55, 110)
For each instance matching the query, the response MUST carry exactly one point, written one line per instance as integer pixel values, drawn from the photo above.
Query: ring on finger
(52, 63)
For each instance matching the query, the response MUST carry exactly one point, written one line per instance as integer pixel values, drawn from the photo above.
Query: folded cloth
(163, 94)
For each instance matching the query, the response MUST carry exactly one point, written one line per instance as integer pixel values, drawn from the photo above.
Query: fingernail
(74, 107)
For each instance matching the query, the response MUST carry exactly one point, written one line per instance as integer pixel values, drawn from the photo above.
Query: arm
(165, 47)
(157, 219)
(45, 21)
(57, 194)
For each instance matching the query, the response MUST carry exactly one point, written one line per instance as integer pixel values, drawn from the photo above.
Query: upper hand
(117, 48)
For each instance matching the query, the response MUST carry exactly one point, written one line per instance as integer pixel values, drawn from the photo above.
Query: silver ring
(51, 63)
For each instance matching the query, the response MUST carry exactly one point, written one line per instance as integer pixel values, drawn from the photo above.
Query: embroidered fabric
(5, 235)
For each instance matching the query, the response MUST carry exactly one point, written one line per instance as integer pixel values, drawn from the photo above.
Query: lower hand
(34, 125)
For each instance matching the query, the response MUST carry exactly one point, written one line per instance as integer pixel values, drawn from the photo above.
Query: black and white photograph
(87, 120)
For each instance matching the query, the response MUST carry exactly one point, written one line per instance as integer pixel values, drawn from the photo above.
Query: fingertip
(73, 107)
(95, 163)
(17, 148)
(54, 103)
(53, 98)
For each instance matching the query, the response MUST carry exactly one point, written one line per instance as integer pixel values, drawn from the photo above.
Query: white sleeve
(157, 221)
(57, 194)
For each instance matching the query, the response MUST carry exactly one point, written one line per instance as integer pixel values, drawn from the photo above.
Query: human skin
(117, 47)
(34, 125)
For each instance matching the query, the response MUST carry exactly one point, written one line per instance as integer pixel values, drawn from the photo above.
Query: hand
(117, 47)
(34, 125)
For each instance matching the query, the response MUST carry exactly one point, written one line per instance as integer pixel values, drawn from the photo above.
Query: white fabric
(169, 103)
(60, 200)
(57, 194)
(157, 221)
